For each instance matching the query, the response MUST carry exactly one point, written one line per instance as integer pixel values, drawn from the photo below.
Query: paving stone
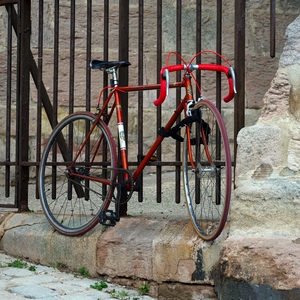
(33, 291)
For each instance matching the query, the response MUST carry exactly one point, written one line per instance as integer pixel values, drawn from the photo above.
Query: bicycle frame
(105, 113)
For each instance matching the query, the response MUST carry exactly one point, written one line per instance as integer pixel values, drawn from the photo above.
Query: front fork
(190, 103)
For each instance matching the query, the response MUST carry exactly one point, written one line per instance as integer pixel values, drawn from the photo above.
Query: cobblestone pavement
(40, 282)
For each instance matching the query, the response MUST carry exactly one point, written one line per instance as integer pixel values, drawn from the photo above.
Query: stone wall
(268, 163)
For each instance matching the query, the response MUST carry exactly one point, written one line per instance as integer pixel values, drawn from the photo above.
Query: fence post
(272, 28)
(123, 72)
(22, 135)
(239, 62)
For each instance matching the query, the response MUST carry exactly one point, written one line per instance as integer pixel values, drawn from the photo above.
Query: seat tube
(121, 131)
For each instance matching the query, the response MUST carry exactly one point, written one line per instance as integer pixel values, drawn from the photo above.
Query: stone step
(167, 253)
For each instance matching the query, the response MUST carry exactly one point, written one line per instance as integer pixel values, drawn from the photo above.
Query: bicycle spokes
(74, 192)
(207, 173)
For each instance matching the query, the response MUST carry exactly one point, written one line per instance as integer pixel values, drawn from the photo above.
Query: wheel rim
(70, 212)
(208, 186)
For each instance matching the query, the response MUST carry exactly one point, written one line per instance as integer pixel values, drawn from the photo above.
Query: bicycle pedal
(108, 218)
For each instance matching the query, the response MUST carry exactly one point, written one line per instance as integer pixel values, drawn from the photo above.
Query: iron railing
(25, 58)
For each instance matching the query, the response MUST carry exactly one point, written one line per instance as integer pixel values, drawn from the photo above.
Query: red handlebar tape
(205, 67)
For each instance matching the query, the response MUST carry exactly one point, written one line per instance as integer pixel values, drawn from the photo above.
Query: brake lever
(166, 76)
(232, 73)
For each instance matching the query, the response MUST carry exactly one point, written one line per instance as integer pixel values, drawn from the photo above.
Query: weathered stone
(130, 247)
(291, 50)
(277, 99)
(38, 242)
(258, 144)
(157, 250)
(265, 152)
(260, 258)
(180, 292)
(268, 206)
(257, 62)
(259, 268)
(257, 44)
(294, 155)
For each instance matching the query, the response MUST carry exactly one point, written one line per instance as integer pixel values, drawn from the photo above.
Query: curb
(156, 250)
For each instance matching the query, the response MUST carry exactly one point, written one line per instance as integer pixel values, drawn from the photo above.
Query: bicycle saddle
(100, 64)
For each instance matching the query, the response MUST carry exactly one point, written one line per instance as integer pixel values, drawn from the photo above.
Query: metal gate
(28, 56)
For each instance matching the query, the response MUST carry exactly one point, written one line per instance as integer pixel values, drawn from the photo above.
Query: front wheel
(207, 172)
(72, 203)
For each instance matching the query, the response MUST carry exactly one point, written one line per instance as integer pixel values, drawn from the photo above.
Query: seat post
(114, 79)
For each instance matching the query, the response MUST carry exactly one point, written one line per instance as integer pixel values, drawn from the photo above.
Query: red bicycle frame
(163, 87)
(186, 82)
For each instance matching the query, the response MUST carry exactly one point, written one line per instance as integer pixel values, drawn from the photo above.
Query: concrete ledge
(30, 235)
(150, 249)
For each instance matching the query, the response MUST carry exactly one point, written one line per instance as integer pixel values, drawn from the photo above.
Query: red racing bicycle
(81, 184)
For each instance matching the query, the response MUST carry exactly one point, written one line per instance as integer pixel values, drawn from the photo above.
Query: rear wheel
(72, 204)
(207, 172)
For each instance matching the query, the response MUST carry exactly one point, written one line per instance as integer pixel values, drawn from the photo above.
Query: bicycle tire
(207, 187)
(72, 205)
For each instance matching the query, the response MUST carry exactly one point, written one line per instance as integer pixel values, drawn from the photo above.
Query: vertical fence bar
(88, 54)
(105, 57)
(219, 50)
(239, 62)
(23, 105)
(158, 110)
(123, 72)
(55, 88)
(105, 43)
(178, 96)
(140, 94)
(8, 101)
(72, 57)
(39, 89)
(198, 41)
(272, 28)
(71, 81)
(55, 63)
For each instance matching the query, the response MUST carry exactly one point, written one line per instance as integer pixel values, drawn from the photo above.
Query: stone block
(257, 144)
(259, 268)
(158, 250)
(173, 254)
(126, 249)
(266, 206)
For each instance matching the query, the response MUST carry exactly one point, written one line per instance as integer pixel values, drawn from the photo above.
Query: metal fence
(29, 56)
